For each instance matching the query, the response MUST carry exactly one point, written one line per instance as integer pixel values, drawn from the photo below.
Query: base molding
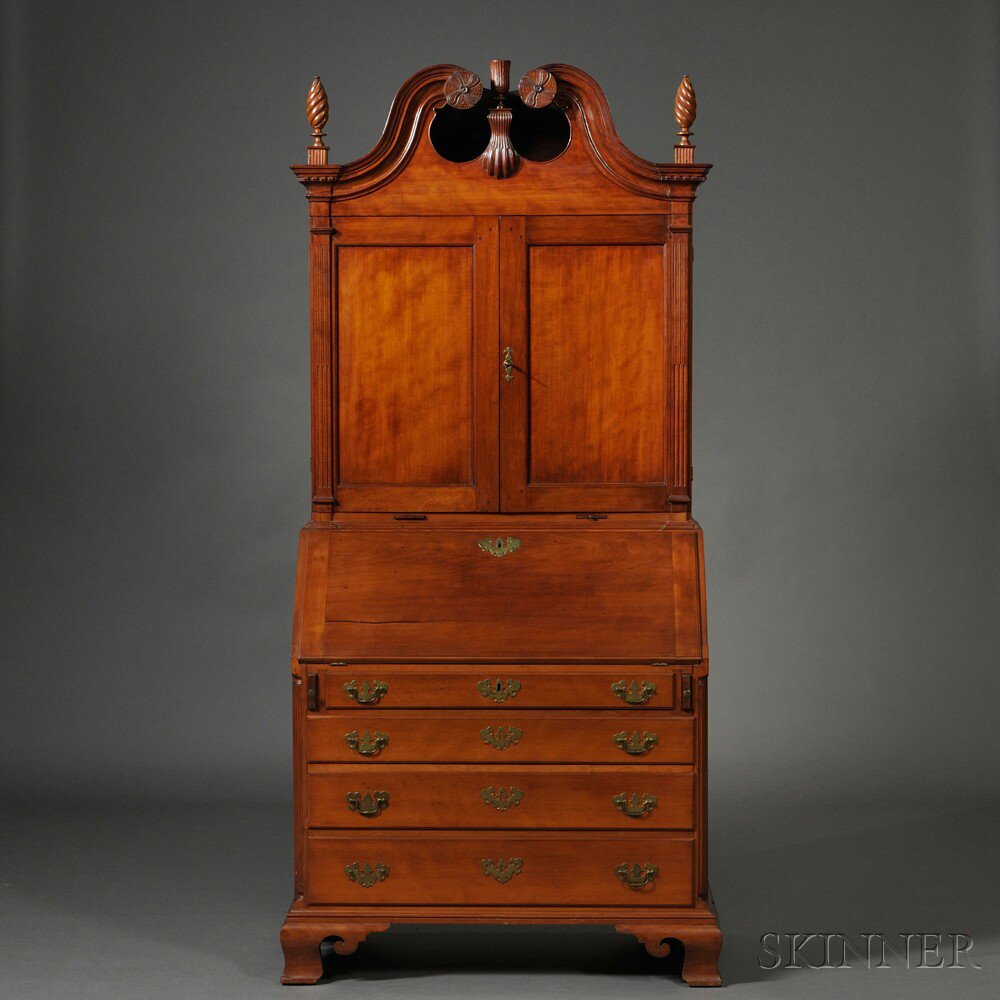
(302, 934)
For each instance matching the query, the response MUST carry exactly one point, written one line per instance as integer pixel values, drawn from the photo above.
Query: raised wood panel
(518, 685)
(554, 737)
(596, 364)
(587, 420)
(405, 339)
(416, 343)
(556, 868)
(544, 797)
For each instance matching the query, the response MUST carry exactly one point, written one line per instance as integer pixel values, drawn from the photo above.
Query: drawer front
(501, 798)
(494, 869)
(500, 737)
(395, 685)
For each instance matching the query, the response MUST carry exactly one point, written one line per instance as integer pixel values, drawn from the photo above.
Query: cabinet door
(596, 394)
(415, 396)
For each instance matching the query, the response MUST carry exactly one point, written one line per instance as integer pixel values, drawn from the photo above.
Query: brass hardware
(500, 547)
(312, 692)
(501, 799)
(366, 876)
(635, 805)
(409, 517)
(635, 876)
(508, 364)
(367, 692)
(635, 744)
(368, 805)
(367, 745)
(637, 693)
(502, 738)
(502, 871)
(687, 696)
(498, 690)
(591, 517)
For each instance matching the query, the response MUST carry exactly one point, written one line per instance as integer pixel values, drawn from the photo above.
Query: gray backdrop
(846, 420)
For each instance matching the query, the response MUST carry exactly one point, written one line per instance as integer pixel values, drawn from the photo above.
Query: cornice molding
(577, 94)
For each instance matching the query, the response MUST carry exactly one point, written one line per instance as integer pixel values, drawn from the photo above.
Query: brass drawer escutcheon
(366, 875)
(370, 804)
(635, 744)
(501, 738)
(635, 805)
(502, 871)
(498, 690)
(636, 693)
(502, 799)
(500, 547)
(635, 876)
(368, 744)
(366, 692)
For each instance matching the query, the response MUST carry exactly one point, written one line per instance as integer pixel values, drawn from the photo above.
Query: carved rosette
(537, 88)
(463, 89)
(317, 114)
(685, 112)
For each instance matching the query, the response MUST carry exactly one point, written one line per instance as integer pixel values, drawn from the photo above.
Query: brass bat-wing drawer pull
(634, 875)
(499, 690)
(370, 804)
(635, 805)
(635, 744)
(502, 799)
(501, 737)
(636, 693)
(368, 744)
(366, 875)
(500, 870)
(366, 692)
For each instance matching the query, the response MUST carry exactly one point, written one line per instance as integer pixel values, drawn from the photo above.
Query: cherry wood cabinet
(499, 653)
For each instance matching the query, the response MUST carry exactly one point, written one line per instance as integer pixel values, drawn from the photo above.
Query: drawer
(493, 869)
(500, 737)
(590, 797)
(395, 685)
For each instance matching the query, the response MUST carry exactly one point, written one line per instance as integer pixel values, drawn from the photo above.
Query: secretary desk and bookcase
(499, 656)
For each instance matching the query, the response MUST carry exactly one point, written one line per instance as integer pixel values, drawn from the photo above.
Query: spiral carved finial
(685, 112)
(317, 114)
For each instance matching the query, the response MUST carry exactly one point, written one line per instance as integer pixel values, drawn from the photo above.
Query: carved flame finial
(500, 160)
(317, 113)
(685, 112)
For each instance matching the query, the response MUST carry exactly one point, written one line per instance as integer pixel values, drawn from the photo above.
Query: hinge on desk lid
(592, 517)
(687, 696)
(312, 692)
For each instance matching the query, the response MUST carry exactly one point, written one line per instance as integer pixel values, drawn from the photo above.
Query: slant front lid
(517, 592)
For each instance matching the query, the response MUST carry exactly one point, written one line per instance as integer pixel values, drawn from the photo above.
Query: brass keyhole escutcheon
(500, 547)
(508, 364)
(500, 870)
(366, 875)
(502, 737)
(502, 799)
(499, 690)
